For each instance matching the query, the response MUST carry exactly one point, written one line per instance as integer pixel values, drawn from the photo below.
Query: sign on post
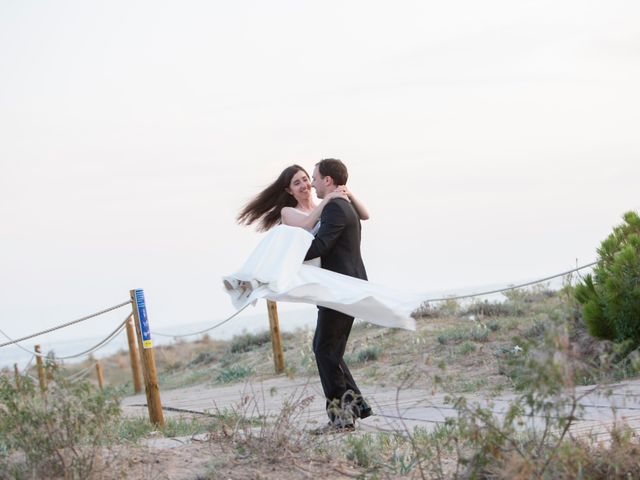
(141, 308)
(149, 373)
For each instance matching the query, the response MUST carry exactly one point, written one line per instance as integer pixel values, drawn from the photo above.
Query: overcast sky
(492, 142)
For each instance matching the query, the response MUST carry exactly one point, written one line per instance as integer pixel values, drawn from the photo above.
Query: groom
(337, 243)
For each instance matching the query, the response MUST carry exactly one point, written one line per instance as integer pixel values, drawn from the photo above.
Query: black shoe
(365, 412)
(362, 409)
(356, 405)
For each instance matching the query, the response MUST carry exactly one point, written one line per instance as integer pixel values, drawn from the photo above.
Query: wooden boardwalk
(395, 411)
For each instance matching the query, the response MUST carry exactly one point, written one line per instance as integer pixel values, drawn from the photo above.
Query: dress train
(275, 270)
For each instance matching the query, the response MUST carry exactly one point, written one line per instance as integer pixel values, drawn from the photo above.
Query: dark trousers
(329, 344)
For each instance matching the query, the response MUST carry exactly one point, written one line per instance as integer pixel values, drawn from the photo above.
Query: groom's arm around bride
(337, 242)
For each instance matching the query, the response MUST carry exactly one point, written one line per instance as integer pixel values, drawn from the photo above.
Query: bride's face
(300, 186)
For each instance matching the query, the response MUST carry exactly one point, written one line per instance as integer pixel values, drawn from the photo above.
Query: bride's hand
(345, 191)
(339, 192)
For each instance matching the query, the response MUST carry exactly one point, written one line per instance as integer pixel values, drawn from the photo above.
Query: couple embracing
(312, 255)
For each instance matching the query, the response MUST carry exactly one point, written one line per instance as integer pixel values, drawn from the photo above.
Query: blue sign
(144, 320)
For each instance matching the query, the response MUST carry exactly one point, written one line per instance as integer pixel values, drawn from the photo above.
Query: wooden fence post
(41, 376)
(145, 347)
(100, 375)
(17, 374)
(276, 339)
(133, 356)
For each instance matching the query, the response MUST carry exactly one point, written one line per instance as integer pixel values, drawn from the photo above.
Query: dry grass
(476, 345)
(469, 347)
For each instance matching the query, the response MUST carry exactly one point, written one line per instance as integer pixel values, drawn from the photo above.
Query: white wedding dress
(276, 270)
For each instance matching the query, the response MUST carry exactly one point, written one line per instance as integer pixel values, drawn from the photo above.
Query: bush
(58, 433)
(510, 444)
(610, 297)
(494, 309)
(466, 348)
(233, 373)
(445, 308)
(425, 310)
(133, 429)
(202, 358)
(534, 294)
(248, 341)
(365, 355)
(476, 333)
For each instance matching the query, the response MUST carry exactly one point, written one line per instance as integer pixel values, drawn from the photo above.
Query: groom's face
(318, 182)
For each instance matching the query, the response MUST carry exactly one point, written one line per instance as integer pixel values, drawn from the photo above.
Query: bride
(275, 269)
(288, 201)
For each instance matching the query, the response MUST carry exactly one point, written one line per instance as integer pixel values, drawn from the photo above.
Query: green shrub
(489, 443)
(425, 310)
(610, 297)
(360, 451)
(537, 329)
(133, 429)
(202, 358)
(58, 433)
(249, 341)
(443, 308)
(466, 348)
(386, 454)
(534, 294)
(493, 326)
(365, 355)
(368, 354)
(475, 333)
(494, 309)
(233, 373)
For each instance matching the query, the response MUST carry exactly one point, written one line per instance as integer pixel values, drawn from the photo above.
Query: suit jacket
(337, 243)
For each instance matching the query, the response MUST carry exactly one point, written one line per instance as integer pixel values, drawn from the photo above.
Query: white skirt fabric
(275, 270)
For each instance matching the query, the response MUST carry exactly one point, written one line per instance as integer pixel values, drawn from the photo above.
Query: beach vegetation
(539, 358)
(476, 333)
(610, 296)
(233, 373)
(59, 432)
(364, 355)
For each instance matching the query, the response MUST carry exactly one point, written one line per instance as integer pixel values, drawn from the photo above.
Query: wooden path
(397, 411)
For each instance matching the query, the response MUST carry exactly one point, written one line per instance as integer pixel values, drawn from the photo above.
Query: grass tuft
(233, 373)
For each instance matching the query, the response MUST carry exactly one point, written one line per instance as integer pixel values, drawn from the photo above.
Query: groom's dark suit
(337, 243)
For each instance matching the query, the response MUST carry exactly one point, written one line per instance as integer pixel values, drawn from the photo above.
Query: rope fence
(511, 287)
(88, 317)
(38, 356)
(108, 339)
(122, 325)
(99, 345)
(219, 324)
(142, 354)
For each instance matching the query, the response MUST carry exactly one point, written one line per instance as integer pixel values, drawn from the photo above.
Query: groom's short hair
(334, 168)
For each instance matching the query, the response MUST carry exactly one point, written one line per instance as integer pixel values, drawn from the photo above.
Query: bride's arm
(361, 210)
(294, 218)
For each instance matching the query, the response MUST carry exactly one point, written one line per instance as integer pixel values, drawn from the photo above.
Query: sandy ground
(207, 459)
(471, 369)
(396, 410)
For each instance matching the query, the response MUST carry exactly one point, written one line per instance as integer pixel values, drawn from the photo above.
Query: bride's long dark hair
(266, 206)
